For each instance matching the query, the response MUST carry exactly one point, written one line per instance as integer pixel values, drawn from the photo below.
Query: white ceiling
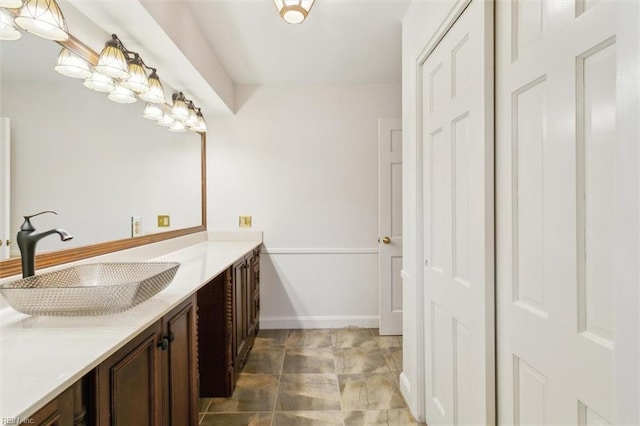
(342, 41)
(193, 43)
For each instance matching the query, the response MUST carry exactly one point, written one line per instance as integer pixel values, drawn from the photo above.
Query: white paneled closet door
(456, 120)
(556, 128)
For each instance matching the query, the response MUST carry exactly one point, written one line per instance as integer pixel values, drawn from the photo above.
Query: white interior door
(556, 115)
(5, 173)
(390, 224)
(457, 169)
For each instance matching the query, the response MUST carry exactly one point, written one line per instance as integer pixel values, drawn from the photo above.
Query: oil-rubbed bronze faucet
(27, 240)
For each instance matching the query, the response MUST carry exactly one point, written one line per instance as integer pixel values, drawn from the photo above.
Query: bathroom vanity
(141, 366)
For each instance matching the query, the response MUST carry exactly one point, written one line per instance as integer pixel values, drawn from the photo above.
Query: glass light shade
(122, 95)
(167, 120)
(138, 81)
(177, 126)
(44, 19)
(112, 62)
(8, 30)
(193, 118)
(155, 94)
(293, 11)
(11, 4)
(179, 110)
(71, 65)
(99, 83)
(202, 125)
(153, 112)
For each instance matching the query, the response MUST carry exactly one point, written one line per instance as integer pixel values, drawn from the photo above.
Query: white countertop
(42, 356)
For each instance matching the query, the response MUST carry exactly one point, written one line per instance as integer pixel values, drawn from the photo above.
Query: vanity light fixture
(179, 110)
(122, 95)
(99, 82)
(177, 126)
(153, 112)
(138, 81)
(112, 61)
(11, 4)
(202, 125)
(192, 121)
(166, 120)
(71, 65)
(155, 94)
(294, 11)
(44, 19)
(8, 29)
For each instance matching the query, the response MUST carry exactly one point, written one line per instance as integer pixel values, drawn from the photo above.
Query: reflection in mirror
(97, 163)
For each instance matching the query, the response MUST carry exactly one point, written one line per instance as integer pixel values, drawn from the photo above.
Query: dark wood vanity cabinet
(180, 374)
(152, 380)
(228, 321)
(58, 412)
(70, 408)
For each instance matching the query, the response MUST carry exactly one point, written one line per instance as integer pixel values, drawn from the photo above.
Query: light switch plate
(164, 221)
(244, 222)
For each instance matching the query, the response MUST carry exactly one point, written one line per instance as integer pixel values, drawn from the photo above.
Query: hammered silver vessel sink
(88, 290)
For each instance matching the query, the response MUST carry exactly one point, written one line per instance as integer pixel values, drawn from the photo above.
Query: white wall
(302, 160)
(418, 27)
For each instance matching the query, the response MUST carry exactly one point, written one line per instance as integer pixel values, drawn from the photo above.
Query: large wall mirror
(96, 162)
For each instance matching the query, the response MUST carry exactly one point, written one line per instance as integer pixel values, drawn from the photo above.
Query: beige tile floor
(344, 377)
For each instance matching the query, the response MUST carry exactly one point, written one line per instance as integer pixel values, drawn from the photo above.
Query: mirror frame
(13, 266)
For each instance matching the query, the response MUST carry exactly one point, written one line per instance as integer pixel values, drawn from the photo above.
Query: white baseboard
(367, 321)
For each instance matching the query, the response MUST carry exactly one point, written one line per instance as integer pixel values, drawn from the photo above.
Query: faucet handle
(27, 226)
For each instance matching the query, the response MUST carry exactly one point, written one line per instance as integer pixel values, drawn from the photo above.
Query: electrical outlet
(136, 226)
(164, 221)
(244, 222)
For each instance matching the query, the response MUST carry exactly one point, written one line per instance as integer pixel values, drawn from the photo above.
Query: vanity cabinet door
(180, 366)
(129, 385)
(228, 313)
(215, 336)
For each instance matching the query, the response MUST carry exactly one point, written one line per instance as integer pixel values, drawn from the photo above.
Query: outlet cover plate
(136, 226)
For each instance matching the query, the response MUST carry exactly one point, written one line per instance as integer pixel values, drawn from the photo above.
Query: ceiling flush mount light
(44, 19)
(71, 65)
(155, 94)
(112, 61)
(8, 30)
(179, 110)
(294, 11)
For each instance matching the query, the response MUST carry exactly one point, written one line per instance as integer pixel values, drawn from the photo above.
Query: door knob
(386, 240)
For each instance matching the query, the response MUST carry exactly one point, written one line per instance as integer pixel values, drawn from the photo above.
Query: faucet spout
(27, 240)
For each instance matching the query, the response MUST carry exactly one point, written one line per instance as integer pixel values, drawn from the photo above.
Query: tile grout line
(275, 400)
